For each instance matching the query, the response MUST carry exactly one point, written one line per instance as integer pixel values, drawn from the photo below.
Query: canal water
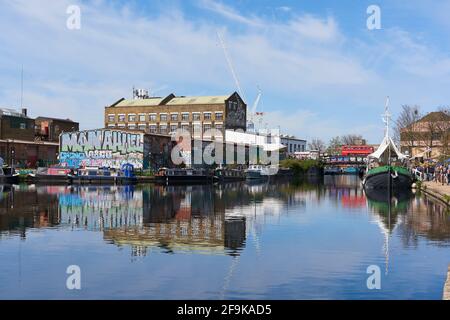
(277, 240)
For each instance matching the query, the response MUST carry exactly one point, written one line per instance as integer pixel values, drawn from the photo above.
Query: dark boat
(184, 175)
(386, 168)
(385, 177)
(51, 175)
(223, 174)
(8, 175)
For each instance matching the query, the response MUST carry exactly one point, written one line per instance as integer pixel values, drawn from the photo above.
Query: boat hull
(184, 179)
(255, 175)
(388, 179)
(103, 180)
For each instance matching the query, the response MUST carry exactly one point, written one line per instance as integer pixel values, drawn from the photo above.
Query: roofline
(50, 118)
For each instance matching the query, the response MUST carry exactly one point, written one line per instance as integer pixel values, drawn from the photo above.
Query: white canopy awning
(384, 147)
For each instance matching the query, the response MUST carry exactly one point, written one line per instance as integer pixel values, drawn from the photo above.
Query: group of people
(439, 173)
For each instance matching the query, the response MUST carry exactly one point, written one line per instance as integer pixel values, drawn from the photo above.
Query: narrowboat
(223, 174)
(386, 167)
(51, 175)
(184, 175)
(99, 175)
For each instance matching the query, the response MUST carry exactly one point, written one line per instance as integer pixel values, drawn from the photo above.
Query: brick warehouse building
(162, 115)
(20, 143)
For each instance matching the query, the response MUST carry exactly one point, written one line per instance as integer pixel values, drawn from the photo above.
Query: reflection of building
(23, 209)
(163, 115)
(175, 219)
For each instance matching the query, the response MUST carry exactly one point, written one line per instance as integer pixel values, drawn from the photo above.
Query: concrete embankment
(437, 191)
(446, 295)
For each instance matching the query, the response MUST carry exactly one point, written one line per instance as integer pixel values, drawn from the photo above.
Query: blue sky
(321, 71)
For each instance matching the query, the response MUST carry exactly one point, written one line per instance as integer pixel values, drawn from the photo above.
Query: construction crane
(253, 114)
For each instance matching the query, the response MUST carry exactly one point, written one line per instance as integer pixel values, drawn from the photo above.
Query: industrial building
(22, 145)
(204, 117)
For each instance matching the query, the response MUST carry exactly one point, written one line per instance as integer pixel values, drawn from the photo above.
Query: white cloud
(299, 60)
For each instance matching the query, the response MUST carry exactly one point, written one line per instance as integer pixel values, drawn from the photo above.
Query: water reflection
(304, 233)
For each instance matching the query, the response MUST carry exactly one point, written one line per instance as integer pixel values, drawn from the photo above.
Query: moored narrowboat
(184, 175)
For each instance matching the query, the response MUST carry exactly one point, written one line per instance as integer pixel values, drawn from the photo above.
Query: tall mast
(386, 117)
(21, 88)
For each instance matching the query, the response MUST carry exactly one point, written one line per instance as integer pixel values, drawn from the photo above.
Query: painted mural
(101, 148)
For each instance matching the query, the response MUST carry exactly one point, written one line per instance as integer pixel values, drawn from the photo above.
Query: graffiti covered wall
(101, 148)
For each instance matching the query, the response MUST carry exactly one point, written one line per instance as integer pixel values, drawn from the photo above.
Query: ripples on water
(277, 240)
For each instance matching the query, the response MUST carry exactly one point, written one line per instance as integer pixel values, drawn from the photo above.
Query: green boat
(386, 168)
(388, 176)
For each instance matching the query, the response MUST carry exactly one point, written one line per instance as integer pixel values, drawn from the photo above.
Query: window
(196, 116)
(173, 127)
(219, 126)
(152, 128)
(131, 117)
(207, 115)
(174, 117)
(206, 127)
(111, 117)
(219, 115)
(152, 116)
(23, 125)
(142, 117)
(142, 126)
(185, 127)
(163, 129)
(121, 117)
(111, 125)
(185, 116)
(132, 126)
(163, 117)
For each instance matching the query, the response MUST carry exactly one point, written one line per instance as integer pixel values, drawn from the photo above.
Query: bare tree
(442, 128)
(405, 131)
(334, 146)
(351, 139)
(317, 144)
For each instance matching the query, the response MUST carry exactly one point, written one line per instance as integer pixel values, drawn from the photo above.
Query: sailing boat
(386, 166)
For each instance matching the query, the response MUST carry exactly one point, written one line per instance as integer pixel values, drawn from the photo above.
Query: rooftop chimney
(24, 112)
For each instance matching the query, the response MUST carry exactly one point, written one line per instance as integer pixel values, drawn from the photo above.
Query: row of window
(164, 129)
(296, 148)
(196, 116)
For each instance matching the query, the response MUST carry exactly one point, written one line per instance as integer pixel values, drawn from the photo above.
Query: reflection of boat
(385, 169)
(350, 170)
(387, 206)
(184, 175)
(331, 170)
(385, 203)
